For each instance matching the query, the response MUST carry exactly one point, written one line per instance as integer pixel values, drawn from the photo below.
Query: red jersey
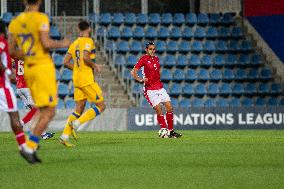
(5, 59)
(20, 74)
(151, 71)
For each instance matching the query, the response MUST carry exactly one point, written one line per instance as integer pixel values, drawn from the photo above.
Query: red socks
(170, 120)
(29, 115)
(20, 137)
(161, 121)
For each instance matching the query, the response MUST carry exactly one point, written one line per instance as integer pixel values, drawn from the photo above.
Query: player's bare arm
(15, 52)
(49, 43)
(67, 61)
(136, 77)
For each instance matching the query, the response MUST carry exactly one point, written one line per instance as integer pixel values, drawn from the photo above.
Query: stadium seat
(203, 75)
(191, 75)
(135, 47)
(272, 101)
(187, 90)
(260, 101)
(210, 102)
(232, 60)
(263, 89)
(253, 75)
(105, 19)
(187, 33)
(174, 102)
(58, 60)
(181, 61)
(70, 104)
(225, 89)
(228, 75)
(126, 33)
(202, 19)
(256, 60)
(117, 19)
(176, 89)
(169, 61)
(137, 88)
(221, 46)
(123, 47)
(233, 46)
(209, 46)
(245, 46)
(63, 90)
(237, 32)
(244, 60)
(197, 102)
(219, 60)
(154, 19)
(178, 19)
(172, 47)
(265, 74)
(224, 32)
(191, 19)
(275, 89)
(166, 19)
(161, 46)
(166, 75)
(166, 87)
(199, 33)
(235, 102)
(214, 18)
(71, 91)
(144, 103)
(206, 61)
(151, 33)
(175, 33)
(215, 75)
(110, 45)
(142, 19)
(66, 75)
(196, 46)
(213, 89)
(57, 75)
(281, 102)
(178, 75)
(250, 89)
(60, 104)
(113, 33)
(200, 89)
(163, 33)
(194, 61)
(54, 32)
(131, 61)
(238, 89)
(100, 31)
(227, 19)
(184, 47)
(130, 19)
(212, 32)
(138, 32)
(184, 103)
(240, 74)
(7, 17)
(119, 60)
(247, 102)
(222, 102)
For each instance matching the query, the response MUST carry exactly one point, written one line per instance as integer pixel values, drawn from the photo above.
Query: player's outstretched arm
(136, 77)
(49, 43)
(67, 61)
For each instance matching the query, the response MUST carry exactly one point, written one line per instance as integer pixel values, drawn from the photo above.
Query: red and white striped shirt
(6, 61)
(21, 83)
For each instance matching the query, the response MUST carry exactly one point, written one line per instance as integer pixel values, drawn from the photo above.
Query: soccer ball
(163, 133)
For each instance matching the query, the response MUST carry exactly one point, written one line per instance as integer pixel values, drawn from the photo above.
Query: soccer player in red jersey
(25, 94)
(153, 88)
(8, 100)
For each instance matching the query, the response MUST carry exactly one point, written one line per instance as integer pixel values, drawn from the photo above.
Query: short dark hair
(83, 25)
(2, 27)
(31, 2)
(149, 43)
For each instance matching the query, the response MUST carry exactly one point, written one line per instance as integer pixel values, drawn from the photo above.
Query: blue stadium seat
(70, 104)
(58, 60)
(184, 103)
(275, 89)
(232, 60)
(238, 89)
(63, 90)
(227, 19)
(161, 47)
(137, 88)
(272, 101)
(175, 33)
(144, 103)
(126, 74)
(191, 19)
(225, 89)
(252, 75)
(216, 75)
(233, 46)
(221, 46)
(174, 102)
(151, 33)
(184, 47)
(138, 32)
(100, 31)
(117, 19)
(247, 102)
(178, 75)
(219, 60)
(187, 33)
(197, 102)
(241, 74)
(250, 89)
(7, 17)
(163, 33)
(119, 60)
(206, 61)
(176, 89)
(135, 47)
(58, 75)
(260, 101)
(187, 90)
(210, 102)
(123, 47)
(209, 46)
(246, 46)
(130, 19)
(166, 87)
(126, 33)
(237, 32)
(178, 19)
(203, 75)
(199, 33)
(181, 61)
(212, 32)
(110, 45)
(202, 19)
(200, 89)
(114, 33)
(172, 47)
(154, 19)
(213, 89)
(20, 104)
(191, 75)
(169, 61)
(214, 18)
(235, 102)
(166, 75)
(54, 32)
(166, 19)
(222, 102)
(105, 19)
(263, 89)
(244, 60)
(194, 61)
(66, 75)
(228, 75)
(224, 32)
(256, 60)
(196, 46)
(281, 102)
(71, 91)
(142, 19)
(131, 61)
(60, 104)
(265, 74)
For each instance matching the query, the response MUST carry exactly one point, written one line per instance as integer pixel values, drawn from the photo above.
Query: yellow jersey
(83, 75)
(25, 29)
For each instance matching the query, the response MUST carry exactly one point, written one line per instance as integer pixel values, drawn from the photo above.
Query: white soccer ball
(163, 133)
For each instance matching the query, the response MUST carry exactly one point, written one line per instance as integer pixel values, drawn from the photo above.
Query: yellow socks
(88, 115)
(72, 117)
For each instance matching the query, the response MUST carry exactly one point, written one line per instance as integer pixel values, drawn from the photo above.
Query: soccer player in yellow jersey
(29, 41)
(82, 51)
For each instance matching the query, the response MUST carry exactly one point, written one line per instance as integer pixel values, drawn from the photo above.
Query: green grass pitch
(200, 159)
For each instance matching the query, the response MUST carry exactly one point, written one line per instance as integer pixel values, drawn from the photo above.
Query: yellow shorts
(93, 93)
(41, 80)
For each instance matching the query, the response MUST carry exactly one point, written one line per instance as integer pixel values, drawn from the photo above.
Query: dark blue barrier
(211, 118)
